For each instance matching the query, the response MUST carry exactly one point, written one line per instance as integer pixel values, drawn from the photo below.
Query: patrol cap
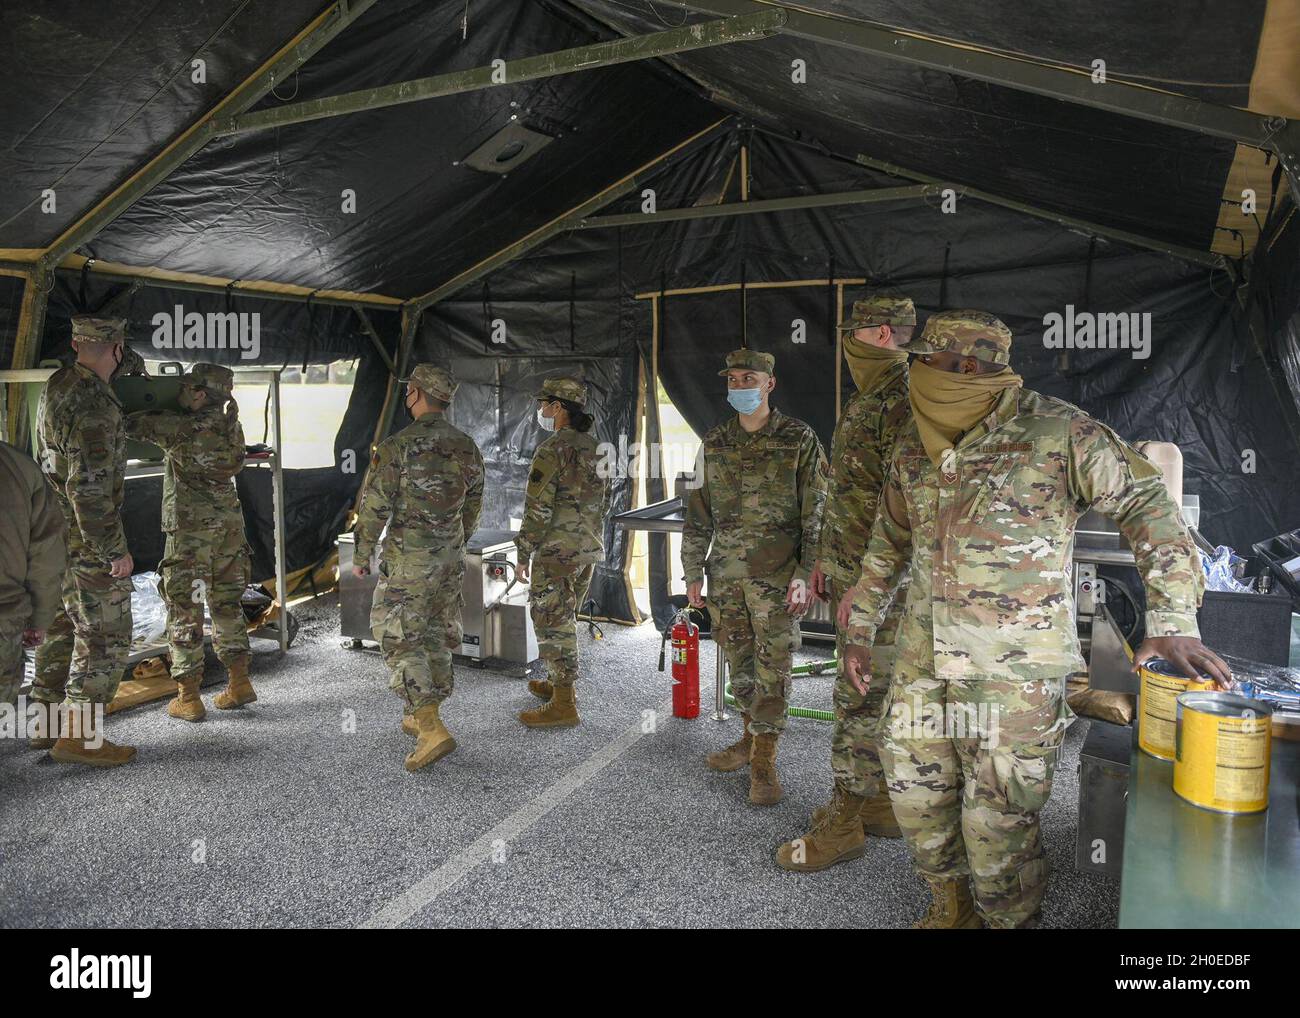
(968, 333)
(90, 329)
(568, 389)
(750, 360)
(218, 380)
(437, 382)
(880, 309)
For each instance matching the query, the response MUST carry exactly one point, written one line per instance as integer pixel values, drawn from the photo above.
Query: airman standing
(563, 534)
(426, 484)
(752, 522)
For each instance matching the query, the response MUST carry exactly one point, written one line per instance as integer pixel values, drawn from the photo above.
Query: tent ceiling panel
(1093, 164)
(270, 205)
(1161, 43)
(91, 92)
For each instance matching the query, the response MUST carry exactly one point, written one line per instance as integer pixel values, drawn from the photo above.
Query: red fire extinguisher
(685, 636)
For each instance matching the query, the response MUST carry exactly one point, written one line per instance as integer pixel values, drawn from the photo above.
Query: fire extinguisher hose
(790, 712)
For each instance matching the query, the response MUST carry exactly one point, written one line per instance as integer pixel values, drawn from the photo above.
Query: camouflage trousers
(554, 592)
(212, 567)
(758, 636)
(855, 739)
(11, 658)
(415, 618)
(88, 642)
(969, 765)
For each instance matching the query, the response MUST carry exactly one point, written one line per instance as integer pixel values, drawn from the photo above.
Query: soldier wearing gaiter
(876, 335)
(982, 500)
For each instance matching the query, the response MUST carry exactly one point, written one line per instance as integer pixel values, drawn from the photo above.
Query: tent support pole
(745, 208)
(410, 324)
(1188, 254)
(306, 44)
(559, 224)
(374, 339)
(27, 349)
(758, 24)
(1074, 85)
(166, 280)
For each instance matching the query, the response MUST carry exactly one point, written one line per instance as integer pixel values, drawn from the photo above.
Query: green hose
(815, 667)
(790, 712)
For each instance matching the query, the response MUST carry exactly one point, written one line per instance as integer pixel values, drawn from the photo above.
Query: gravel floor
(297, 811)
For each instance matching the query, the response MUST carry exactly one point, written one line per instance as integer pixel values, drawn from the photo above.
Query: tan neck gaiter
(946, 404)
(868, 363)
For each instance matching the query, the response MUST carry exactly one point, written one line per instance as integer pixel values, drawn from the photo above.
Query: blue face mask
(745, 401)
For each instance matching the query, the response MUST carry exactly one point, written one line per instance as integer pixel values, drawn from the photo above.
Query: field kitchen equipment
(494, 617)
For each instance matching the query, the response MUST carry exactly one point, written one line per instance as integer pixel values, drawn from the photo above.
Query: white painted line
(422, 894)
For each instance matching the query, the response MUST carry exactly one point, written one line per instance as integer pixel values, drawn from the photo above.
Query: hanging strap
(830, 301)
(943, 280)
(744, 310)
(663, 313)
(311, 332)
(81, 290)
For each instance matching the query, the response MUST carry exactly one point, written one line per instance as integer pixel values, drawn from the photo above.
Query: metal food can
(1222, 757)
(1159, 686)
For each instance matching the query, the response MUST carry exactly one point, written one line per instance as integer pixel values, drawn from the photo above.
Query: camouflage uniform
(32, 560)
(426, 484)
(860, 453)
(756, 514)
(206, 554)
(563, 532)
(82, 450)
(989, 636)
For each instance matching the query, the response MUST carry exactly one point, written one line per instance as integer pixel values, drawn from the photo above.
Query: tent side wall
(317, 499)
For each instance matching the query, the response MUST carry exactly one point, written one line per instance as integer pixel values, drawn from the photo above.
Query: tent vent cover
(506, 149)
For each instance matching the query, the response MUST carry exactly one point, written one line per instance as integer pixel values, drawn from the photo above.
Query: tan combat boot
(764, 785)
(559, 712)
(47, 726)
(188, 705)
(839, 837)
(878, 814)
(737, 754)
(409, 726)
(820, 814)
(239, 690)
(541, 688)
(79, 742)
(435, 741)
(951, 906)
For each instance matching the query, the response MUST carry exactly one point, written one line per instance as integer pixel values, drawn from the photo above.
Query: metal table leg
(720, 685)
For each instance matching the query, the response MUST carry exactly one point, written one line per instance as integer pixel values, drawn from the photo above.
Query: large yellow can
(1222, 756)
(1159, 686)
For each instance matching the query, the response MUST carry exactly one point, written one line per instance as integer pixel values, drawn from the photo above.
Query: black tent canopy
(1021, 158)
